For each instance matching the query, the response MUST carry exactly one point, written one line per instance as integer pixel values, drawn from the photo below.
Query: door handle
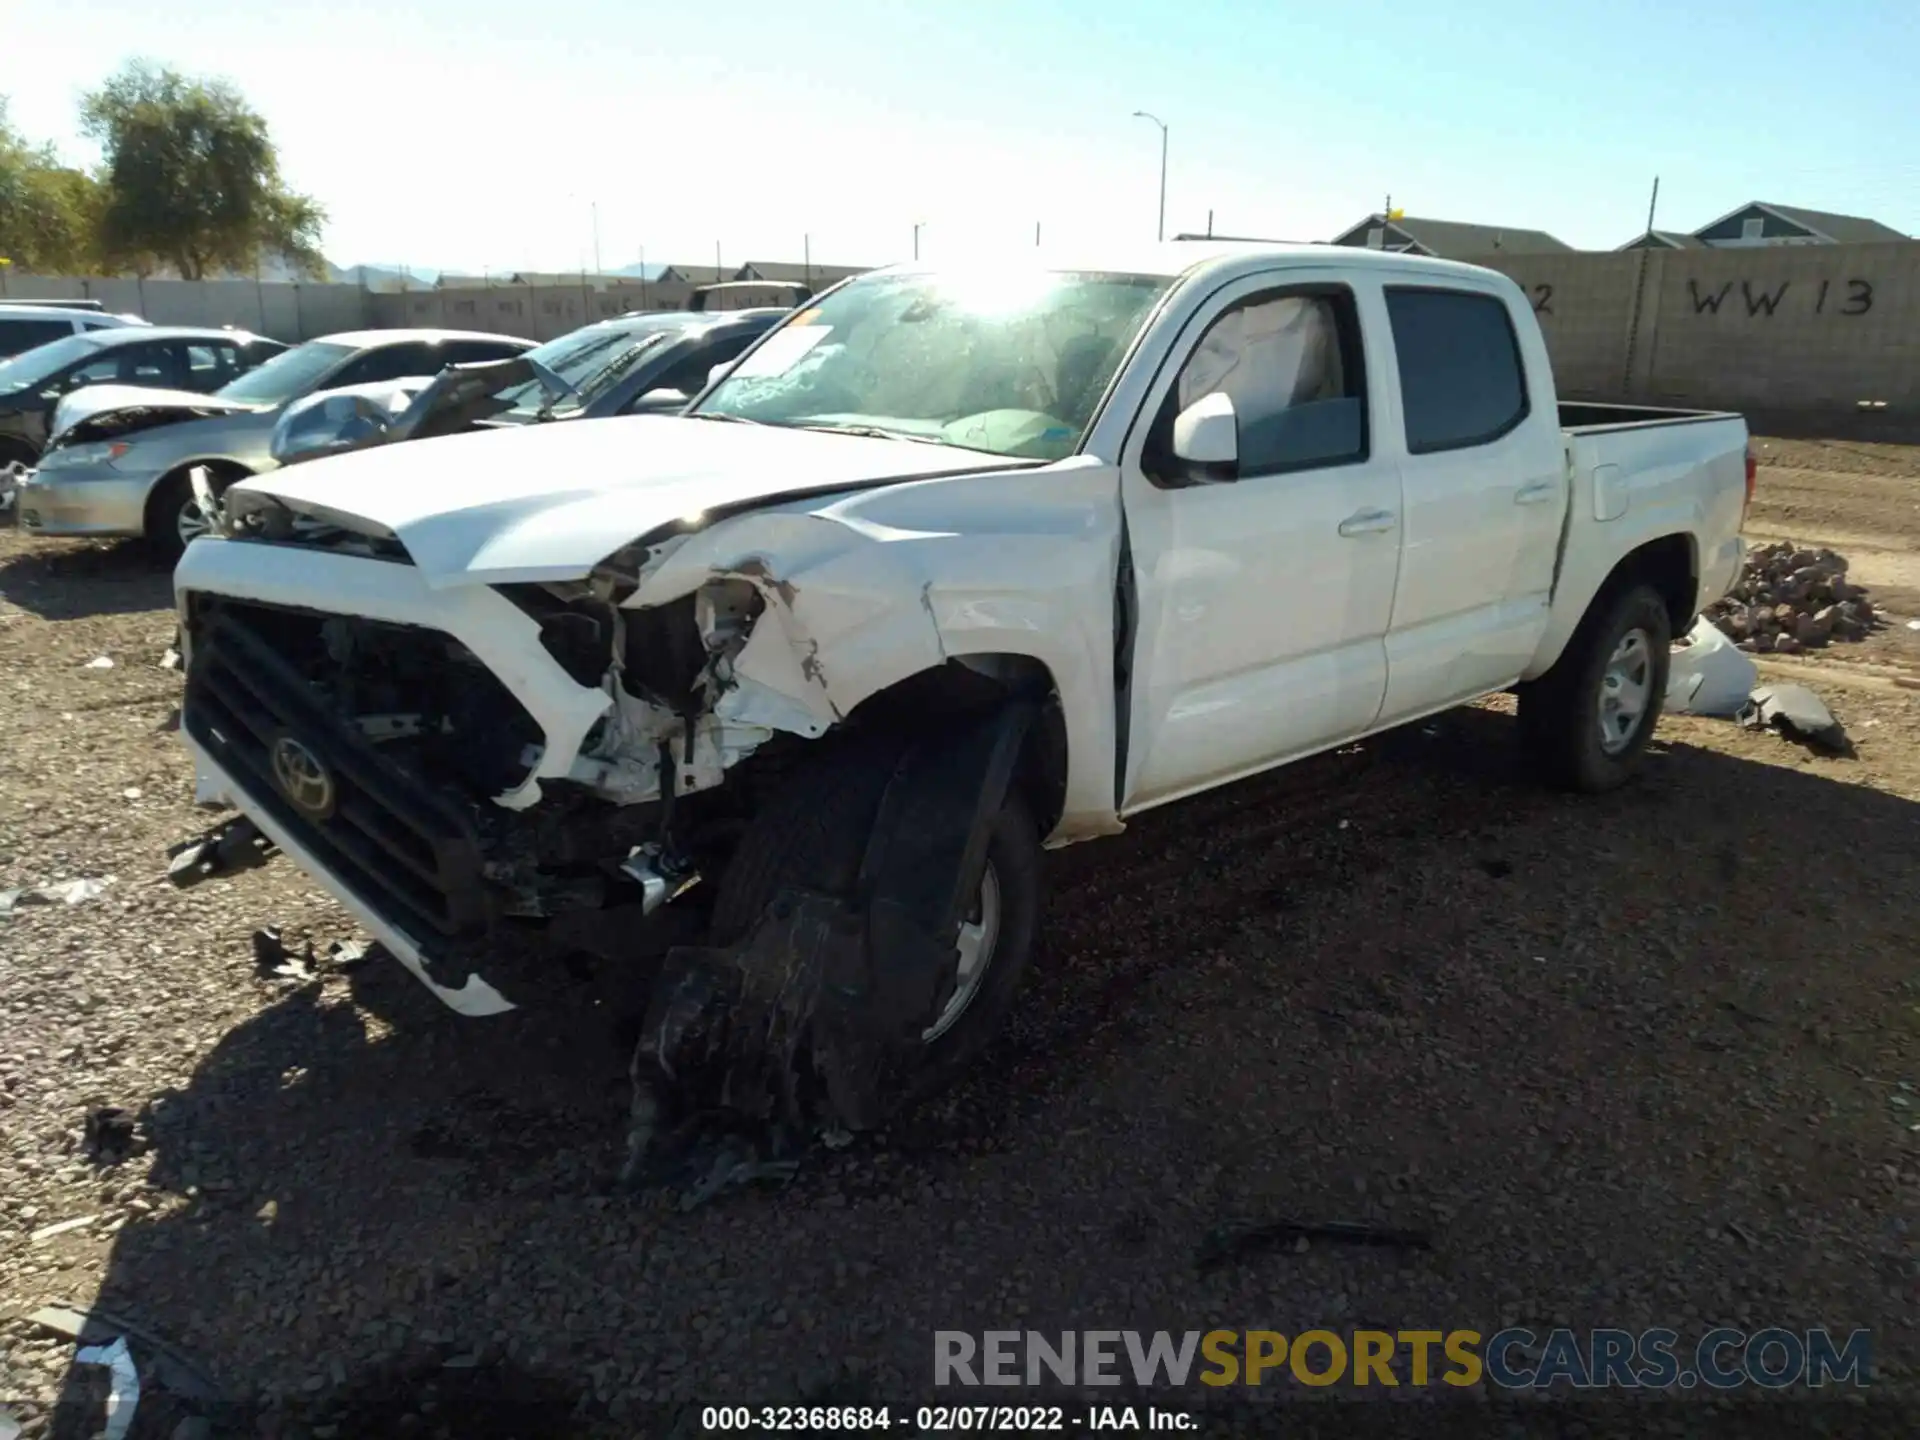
(1534, 494)
(1367, 522)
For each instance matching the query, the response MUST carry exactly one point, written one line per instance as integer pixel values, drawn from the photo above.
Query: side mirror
(719, 372)
(1206, 436)
(328, 423)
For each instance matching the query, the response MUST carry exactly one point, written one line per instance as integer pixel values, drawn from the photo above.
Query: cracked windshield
(1010, 364)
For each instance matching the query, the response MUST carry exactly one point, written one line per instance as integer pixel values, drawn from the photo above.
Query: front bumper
(83, 500)
(390, 856)
(214, 786)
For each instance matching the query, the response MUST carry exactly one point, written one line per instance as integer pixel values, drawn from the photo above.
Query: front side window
(1007, 362)
(1292, 365)
(1461, 380)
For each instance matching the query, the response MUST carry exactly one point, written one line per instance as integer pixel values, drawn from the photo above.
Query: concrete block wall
(1788, 328)
(285, 311)
(1803, 332)
(538, 312)
(1790, 331)
(1584, 304)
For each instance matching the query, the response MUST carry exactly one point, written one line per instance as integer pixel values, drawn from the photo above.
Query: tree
(49, 213)
(191, 177)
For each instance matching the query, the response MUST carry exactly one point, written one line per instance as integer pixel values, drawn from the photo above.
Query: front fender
(868, 590)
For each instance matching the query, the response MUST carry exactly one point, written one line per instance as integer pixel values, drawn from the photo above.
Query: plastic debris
(1799, 714)
(350, 954)
(1708, 676)
(111, 1135)
(173, 1369)
(100, 662)
(63, 892)
(124, 1395)
(231, 846)
(47, 1232)
(275, 962)
(170, 660)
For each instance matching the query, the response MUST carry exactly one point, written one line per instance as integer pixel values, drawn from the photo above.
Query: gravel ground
(1641, 1060)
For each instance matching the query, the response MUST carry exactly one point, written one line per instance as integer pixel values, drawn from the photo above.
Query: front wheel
(174, 520)
(1587, 721)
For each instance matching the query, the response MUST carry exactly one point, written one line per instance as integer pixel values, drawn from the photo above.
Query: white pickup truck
(774, 705)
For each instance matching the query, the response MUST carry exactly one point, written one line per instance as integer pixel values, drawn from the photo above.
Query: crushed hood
(549, 502)
(100, 412)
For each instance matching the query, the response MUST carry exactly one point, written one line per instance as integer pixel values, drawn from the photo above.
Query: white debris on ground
(1708, 676)
(1791, 598)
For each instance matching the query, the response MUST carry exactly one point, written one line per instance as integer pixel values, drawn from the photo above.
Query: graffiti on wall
(1846, 297)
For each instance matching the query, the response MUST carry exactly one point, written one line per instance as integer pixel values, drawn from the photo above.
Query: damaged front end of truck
(581, 766)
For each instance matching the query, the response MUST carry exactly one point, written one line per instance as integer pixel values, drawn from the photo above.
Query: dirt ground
(1642, 1060)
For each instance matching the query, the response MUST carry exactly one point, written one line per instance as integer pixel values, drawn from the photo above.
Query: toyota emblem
(302, 778)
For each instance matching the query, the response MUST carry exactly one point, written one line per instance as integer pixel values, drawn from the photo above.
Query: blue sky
(483, 133)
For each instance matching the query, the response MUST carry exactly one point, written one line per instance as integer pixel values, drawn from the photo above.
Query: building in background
(816, 277)
(1446, 239)
(1663, 240)
(1760, 223)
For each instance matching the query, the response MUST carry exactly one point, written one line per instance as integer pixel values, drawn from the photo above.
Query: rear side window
(392, 362)
(20, 335)
(1461, 381)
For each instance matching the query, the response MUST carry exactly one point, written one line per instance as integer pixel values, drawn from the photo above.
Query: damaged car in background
(643, 364)
(773, 705)
(121, 460)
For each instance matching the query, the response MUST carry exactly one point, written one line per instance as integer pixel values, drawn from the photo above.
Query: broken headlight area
(677, 657)
(252, 515)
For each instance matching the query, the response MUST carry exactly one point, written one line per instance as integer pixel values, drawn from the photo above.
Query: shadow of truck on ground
(373, 1207)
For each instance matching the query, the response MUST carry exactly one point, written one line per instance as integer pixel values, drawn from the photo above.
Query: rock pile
(1790, 598)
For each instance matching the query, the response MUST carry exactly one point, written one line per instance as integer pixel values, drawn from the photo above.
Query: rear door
(1483, 470)
(1264, 600)
(207, 364)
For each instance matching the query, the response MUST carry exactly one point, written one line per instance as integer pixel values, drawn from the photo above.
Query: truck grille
(404, 850)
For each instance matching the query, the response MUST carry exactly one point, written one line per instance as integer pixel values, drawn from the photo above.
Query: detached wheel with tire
(813, 833)
(1587, 721)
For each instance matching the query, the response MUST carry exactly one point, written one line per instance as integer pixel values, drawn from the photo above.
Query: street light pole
(918, 225)
(596, 239)
(1143, 115)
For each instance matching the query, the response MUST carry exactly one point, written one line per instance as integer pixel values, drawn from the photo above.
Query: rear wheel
(813, 833)
(1587, 721)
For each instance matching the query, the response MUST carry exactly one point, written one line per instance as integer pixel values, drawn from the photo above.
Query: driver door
(1263, 600)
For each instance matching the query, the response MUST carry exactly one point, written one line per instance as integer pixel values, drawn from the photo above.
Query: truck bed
(1580, 416)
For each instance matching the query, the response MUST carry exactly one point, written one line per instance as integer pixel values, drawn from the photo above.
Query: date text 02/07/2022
(940, 1419)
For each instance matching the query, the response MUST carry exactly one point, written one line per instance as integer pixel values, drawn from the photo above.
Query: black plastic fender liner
(924, 857)
(814, 1017)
